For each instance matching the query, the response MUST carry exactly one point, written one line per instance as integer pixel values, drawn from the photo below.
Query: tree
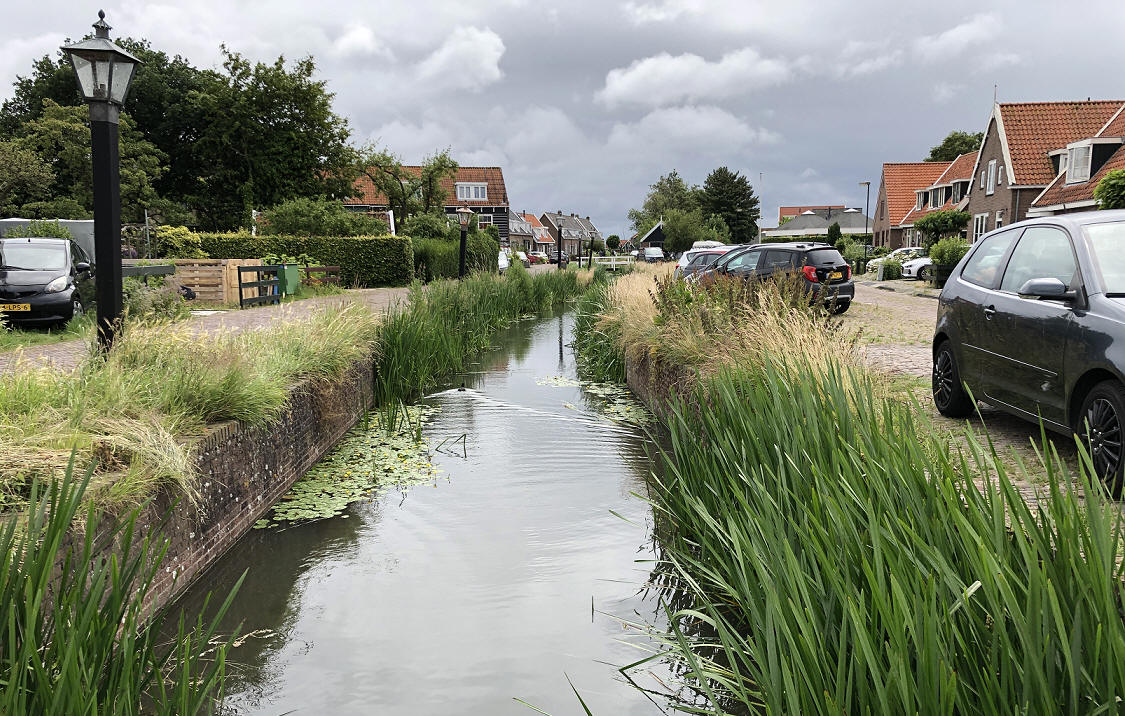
(938, 224)
(613, 242)
(730, 195)
(428, 225)
(26, 178)
(684, 228)
(835, 236)
(408, 191)
(1110, 191)
(954, 145)
(319, 217)
(669, 192)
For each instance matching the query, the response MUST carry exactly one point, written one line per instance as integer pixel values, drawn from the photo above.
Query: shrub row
(439, 258)
(363, 260)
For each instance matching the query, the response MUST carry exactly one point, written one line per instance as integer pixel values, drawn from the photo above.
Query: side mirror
(1045, 288)
(81, 267)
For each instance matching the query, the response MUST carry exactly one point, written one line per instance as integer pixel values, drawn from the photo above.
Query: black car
(1032, 321)
(43, 281)
(823, 270)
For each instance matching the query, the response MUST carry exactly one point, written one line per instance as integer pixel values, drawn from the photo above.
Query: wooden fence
(213, 280)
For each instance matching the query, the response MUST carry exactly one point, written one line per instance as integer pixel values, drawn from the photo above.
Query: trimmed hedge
(438, 258)
(363, 260)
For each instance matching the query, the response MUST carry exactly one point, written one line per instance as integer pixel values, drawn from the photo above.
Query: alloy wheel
(943, 379)
(1103, 435)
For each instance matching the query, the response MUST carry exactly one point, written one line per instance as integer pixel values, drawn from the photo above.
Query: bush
(1110, 191)
(439, 258)
(178, 242)
(43, 229)
(430, 225)
(318, 217)
(363, 260)
(158, 300)
(948, 252)
(892, 269)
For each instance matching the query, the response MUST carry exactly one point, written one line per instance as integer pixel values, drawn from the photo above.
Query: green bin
(289, 278)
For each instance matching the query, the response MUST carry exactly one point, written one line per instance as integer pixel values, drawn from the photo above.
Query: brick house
(1021, 155)
(576, 231)
(1080, 166)
(520, 235)
(897, 199)
(949, 192)
(479, 188)
(541, 239)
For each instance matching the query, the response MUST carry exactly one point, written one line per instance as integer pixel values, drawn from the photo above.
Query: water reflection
(496, 581)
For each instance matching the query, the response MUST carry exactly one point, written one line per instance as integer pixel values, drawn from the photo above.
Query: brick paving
(66, 356)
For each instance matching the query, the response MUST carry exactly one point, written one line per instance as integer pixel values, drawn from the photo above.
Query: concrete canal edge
(244, 470)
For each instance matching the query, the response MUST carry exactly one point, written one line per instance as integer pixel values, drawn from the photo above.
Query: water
(497, 581)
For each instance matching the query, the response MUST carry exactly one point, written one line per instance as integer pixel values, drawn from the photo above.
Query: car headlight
(56, 285)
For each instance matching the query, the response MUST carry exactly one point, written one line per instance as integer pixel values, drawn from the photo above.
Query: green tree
(408, 191)
(613, 242)
(319, 217)
(429, 225)
(730, 195)
(26, 178)
(669, 192)
(954, 145)
(834, 234)
(1110, 191)
(684, 228)
(939, 224)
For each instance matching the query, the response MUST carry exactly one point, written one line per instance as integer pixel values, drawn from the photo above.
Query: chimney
(587, 218)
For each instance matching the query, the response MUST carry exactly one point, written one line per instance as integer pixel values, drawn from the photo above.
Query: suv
(43, 281)
(821, 267)
(1032, 321)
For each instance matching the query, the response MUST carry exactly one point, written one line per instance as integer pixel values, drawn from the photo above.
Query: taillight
(810, 273)
(847, 272)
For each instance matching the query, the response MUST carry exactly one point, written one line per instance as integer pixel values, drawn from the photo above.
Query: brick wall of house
(244, 471)
(880, 228)
(1014, 203)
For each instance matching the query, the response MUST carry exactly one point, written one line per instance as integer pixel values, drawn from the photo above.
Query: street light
(464, 214)
(559, 231)
(866, 213)
(104, 72)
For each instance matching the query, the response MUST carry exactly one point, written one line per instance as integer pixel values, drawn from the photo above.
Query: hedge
(363, 260)
(438, 258)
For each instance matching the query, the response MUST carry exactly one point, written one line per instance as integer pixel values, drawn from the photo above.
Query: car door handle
(989, 312)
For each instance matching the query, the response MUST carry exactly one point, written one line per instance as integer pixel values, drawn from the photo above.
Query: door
(776, 261)
(971, 308)
(1026, 346)
(743, 264)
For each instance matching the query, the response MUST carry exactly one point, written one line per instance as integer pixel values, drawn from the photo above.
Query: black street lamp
(463, 214)
(866, 214)
(559, 248)
(104, 72)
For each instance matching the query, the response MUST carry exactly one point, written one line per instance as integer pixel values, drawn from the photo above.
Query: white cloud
(946, 91)
(666, 79)
(358, 41)
(995, 60)
(704, 129)
(468, 59)
(959, 38)
(809, 173)
(640, 13)
(18, 55)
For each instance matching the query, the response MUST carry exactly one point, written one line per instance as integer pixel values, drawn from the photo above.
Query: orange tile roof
(533, 220)
(492, 176)
(902, 179)
(1116, 126)
(1059, 192)
(1033, 129)
(961, 169)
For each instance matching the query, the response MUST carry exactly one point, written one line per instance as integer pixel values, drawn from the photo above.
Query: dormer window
(467, 191)
(1078, 164)
(936, 198)
(920, 199)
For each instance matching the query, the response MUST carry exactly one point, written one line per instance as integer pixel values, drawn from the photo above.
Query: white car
(503, 262)
(906, 253)
(918, 268)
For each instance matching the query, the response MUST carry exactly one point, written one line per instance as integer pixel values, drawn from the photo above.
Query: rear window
(823, 257)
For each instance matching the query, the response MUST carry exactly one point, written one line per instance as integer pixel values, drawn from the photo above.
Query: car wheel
(923, 273)
(841, 307)
(949, 394)
(1101, 418)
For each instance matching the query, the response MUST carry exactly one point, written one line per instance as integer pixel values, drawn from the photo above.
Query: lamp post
(463, 214)
(559, 231)
(104, 72)
(866, 214)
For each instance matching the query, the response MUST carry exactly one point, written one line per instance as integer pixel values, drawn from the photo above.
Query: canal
(508, 572)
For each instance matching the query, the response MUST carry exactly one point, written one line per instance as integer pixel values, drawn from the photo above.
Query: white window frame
(999, 218)
(936, 197)
(484, 219)
(980, 225)
(919, 199)
(991, 188)
(1078, 164)
(981, 178)
(1000, 176)
(472, 191)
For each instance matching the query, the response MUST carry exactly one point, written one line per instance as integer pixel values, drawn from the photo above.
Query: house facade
(541, 239)
(576, 231)
(520, 235)
(1080, 166)
(949, 192)
(1022, 155)
(898, 198)
(481, 189)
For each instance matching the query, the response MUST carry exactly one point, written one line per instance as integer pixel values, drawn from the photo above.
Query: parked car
(523, 259)
(824, 272)
(653, 254)
(1032, 321)
(902, 255)
(688, 256)
(537, 257)
(700, 261)
(44, 281)
(503, 262)
(919, 268)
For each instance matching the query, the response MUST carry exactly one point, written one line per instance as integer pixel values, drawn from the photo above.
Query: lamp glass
(102, 77)
(84, 71)
(120, 79)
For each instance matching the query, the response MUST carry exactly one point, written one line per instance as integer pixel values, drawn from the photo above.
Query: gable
(491, 177)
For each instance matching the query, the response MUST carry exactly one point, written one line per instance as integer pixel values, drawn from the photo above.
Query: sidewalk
(907, 286)
(67, 355)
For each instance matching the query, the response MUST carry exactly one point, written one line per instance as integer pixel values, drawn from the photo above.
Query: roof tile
(902, 179)
(1059, 192)
(492, 176)
(1034, 129)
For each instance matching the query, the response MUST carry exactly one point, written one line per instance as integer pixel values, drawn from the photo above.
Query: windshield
(28, 256)
(824, 257)
(1107, 244)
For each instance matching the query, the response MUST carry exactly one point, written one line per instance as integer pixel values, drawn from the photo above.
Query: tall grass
(75, 639)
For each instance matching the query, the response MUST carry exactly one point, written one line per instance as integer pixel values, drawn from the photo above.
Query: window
(1078, 164)
(744, 261)
(1000, 175)
(1109, 261)
(984, 264)
(1043, 252)
(999, 218)
(981, 178)
(935, 198)
(991, 177)
(483, 219)
(778, 260)
(980, 225)
(919, 199)
(956, 192)
(472, 192)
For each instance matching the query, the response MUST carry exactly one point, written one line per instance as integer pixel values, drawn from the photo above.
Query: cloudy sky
(585, 103)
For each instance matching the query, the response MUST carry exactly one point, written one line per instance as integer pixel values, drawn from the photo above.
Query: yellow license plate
(835, 275)
(15, 306)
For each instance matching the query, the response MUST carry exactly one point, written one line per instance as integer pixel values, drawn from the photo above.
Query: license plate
(15, 306)
(832, 276)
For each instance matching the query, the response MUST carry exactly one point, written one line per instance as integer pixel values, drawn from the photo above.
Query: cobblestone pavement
(67, 355)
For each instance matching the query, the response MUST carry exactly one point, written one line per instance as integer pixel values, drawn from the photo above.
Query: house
(577, 232)
(1022, 155)
(520, 235)
(1080, 166)
(815, 222)
(654, 237)
(949, 192)
(541, 239)
(897, 198)
(479, 188)
(789, 212)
